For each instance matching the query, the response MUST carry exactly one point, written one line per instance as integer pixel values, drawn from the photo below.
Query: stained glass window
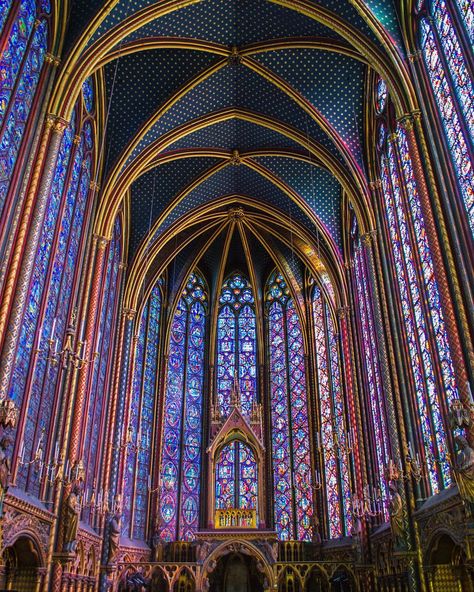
(397, 178)
(381, 95)
(236, 477)
(454, 94)
(137, 465)
(466, 10)
(97, 403)
(50, 291)
(182, 430)
(21, 62)
(293, 493)
(371, 363)
(236, 343)
(332, 438)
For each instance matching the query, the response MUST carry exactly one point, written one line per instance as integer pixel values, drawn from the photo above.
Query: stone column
(21, 267)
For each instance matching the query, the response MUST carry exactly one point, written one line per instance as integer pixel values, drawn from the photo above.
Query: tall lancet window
(375, 401)
(452, 84)
(291, 458)
(428, 347)
(142, 404)
(34, 382)
(21, 62)
(180, 469)
(236, 344)
(332, 440)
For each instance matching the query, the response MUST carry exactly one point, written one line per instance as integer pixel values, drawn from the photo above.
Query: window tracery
(332, 439)
(21, 63)
(291, 457)
(453, 89)
(48, 308)
(236, 344)
(183, 411)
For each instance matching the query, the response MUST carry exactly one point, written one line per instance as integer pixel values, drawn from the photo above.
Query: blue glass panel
(35, 295)
(16, 107)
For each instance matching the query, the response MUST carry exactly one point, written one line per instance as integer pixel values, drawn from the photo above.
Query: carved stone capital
(56, 124)
(101, 241)
(343, 312)
(129, 313)
(49, 58)
(415, 56)
(375, 185)
(369, 237)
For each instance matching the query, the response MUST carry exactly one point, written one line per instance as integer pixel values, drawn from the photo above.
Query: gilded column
(440, 270)
(90, 323)
(115, 434)
(19, 273)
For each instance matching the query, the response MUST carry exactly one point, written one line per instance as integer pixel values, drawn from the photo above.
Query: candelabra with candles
(67, 355)
(343, 446)
(126, 439)
(370, 504)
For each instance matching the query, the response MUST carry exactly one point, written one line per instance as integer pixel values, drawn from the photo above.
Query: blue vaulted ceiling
(325, 79)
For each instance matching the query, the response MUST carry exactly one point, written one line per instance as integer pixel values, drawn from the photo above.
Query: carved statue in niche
(395, 510)
(5, 467)
(158, 547)
(114, 536)
(464, 470)
(71, 511)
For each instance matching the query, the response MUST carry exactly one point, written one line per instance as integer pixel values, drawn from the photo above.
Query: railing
(235, 518)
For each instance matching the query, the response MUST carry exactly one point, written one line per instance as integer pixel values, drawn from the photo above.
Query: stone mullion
(21, 266)
(395, 427)
(450, 316)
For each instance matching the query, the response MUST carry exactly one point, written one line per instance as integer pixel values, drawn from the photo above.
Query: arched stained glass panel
(281, 451)
(329, 456)
(192, 433)
(38, 283)
(225, 477)
(415, 321)
(338, 409)
(372, 369)
(236, 344)
(226, 354)
(441, 83)
(236, 477)
(20, 65)
(97, 406)
(467, 13)
(182, 430)
(293, 493)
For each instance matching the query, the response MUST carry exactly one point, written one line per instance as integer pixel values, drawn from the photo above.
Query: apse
(236, 297)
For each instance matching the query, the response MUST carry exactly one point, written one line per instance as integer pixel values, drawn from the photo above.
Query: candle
(53, 328)
(81, 331)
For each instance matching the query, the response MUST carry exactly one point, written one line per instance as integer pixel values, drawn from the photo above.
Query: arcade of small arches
(236, 297)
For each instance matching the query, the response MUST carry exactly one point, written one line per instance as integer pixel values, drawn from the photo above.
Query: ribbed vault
(211, 105)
